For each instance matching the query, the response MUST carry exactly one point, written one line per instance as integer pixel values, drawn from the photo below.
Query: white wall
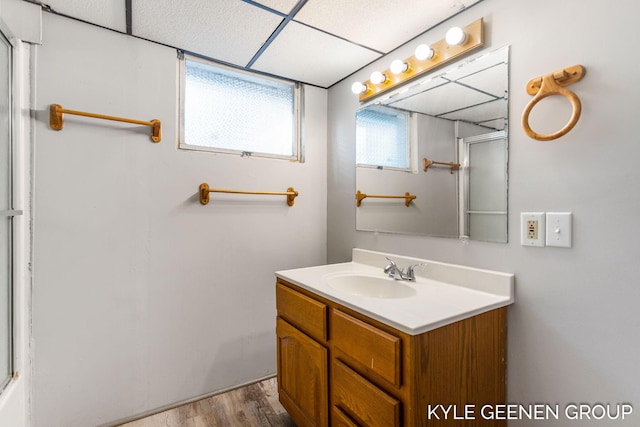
(573, 331)
(143, 297)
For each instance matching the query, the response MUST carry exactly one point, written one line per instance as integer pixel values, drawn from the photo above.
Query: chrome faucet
(391, 269)
(397, 273)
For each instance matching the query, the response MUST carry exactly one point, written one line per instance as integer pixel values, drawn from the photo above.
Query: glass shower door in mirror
(6, 213)
(484, 187)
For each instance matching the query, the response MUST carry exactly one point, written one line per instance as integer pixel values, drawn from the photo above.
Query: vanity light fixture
(398, 66)
(458, 42)
(423, 52)
(455, 36)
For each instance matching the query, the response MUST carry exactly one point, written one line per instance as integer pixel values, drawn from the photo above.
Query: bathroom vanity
(355, 351)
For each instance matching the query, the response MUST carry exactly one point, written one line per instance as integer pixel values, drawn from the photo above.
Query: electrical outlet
(533, 228)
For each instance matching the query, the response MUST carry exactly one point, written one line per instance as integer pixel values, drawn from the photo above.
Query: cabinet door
(302, 376)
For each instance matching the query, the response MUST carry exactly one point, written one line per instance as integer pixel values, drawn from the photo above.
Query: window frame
(298, 112)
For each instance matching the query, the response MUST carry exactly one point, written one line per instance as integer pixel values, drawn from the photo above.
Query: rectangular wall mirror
(443, 139)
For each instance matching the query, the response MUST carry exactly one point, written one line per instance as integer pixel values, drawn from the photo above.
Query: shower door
(6, 213)
(484, 192)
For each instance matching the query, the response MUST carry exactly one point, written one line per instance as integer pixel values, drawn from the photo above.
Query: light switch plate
(532, 226)
(559, 229)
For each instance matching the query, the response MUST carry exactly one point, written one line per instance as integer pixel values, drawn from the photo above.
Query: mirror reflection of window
(382, 138)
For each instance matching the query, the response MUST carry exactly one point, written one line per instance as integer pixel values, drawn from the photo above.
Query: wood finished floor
(255, 405)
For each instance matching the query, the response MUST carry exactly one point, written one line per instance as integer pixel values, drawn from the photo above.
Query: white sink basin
(442, 293)
(370, 286)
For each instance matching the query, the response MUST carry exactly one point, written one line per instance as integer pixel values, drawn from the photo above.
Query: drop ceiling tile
(310, 56)
(108, 13)
(227, 30)
(283, 6)
(367, 22)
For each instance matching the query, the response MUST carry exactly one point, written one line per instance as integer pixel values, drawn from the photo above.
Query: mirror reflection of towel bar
(427, 162)
(361, 196)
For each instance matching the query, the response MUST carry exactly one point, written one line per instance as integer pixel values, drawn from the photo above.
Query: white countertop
(444, 293)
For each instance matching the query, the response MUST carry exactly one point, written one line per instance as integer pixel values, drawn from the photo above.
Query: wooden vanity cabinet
(337, 367)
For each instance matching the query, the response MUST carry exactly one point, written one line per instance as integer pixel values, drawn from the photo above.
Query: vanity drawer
(361, 400)
(375, 350)
(304, 312)
(340, 419)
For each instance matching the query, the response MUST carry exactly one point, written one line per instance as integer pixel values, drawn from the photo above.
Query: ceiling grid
(318, 42)
(275, 34)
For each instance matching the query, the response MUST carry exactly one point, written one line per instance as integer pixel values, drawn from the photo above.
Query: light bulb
(398, 66)
(358, 88)
(455, 36)
(423, 52)
(377, 77)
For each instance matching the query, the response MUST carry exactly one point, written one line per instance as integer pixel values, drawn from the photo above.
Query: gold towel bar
(407, 197)
(452, 166)
(205, 190)
(553, 84)
(56, 111)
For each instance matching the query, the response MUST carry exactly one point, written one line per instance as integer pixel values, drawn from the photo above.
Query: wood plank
(255, 405)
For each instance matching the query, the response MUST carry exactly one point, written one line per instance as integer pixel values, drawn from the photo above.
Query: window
(382, 138)
(232, 111)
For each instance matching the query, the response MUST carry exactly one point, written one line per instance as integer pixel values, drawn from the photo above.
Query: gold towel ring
(549, 85)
